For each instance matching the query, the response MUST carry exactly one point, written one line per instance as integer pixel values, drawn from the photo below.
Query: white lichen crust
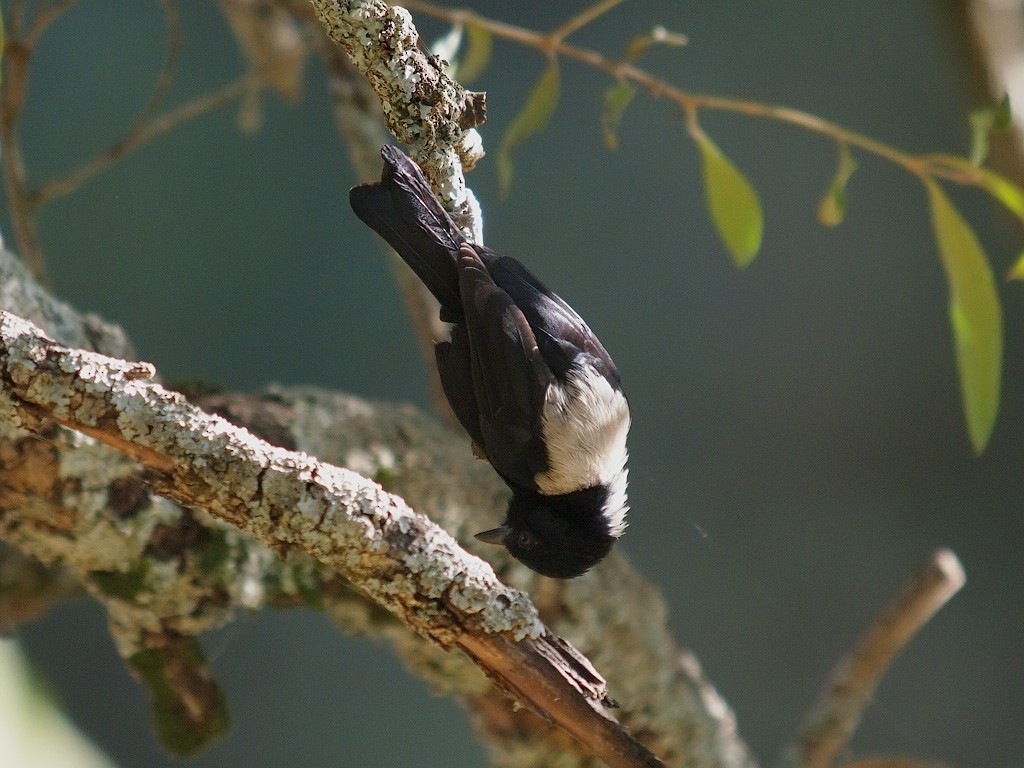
(422, 106)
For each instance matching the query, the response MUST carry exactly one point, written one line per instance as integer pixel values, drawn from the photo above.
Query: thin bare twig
(132, 138)
(16, 57)
(583, 18)
(835, 717)
(18, 52)
(158, 126)
(44, 17)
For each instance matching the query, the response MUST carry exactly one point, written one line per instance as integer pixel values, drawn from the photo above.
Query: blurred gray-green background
(797, 446)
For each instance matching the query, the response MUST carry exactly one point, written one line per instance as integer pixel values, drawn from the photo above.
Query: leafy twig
(548, 43)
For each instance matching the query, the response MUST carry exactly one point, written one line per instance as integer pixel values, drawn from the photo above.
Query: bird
(527, 379)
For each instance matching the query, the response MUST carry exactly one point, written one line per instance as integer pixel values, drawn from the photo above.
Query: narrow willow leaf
(1002, 114)
(732, 201)
(1003, 190)
(478, 53)
(533, 118)
(832, 209)
(1017, 270)
(638, 46)
(984, 122)
(981, 127)
(616, 99)
(975, 314)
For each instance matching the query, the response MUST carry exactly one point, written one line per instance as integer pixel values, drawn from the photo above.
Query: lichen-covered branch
(422, 106)
(165, 573)
(401, 560)
(357, 114)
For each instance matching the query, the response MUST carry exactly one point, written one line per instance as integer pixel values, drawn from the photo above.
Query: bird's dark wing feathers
(454, 367)
(562, 334)
(403, 210)
(510, 378)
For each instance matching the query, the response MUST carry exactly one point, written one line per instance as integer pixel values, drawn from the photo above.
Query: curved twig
(158, 126)
(45, 17)
(140, 130)
(849, 691)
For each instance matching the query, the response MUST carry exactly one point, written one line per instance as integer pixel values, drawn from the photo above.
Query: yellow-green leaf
(533, 118)
(640, 44)
(732, 201)
(832, 209)
(1003, 190)
(985, 121)
(616, 99)
(1017, 270)
(975, 315)
(997, 185)
(478, 53)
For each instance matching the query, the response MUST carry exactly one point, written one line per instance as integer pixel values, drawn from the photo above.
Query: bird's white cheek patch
(585, 425)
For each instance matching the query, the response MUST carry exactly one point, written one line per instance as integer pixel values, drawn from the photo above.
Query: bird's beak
(495, 535)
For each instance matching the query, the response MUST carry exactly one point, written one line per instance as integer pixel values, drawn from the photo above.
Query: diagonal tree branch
(399, 559)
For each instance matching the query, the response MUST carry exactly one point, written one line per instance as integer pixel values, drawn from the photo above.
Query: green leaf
(980, 128)
(1003, 190)
(832, 209)
(1002, 115)
(616, 99)
(1017, 270)
(975, 315)
(997, 185)
(640, 44)
(533, 118)
(478, 53)
(732, 201)
(984, 121)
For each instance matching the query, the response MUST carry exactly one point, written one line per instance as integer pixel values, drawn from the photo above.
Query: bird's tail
(403, 210)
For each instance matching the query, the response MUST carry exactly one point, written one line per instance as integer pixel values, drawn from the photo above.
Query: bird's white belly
(584, 425)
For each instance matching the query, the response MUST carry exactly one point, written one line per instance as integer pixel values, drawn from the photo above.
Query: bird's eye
(526, 540)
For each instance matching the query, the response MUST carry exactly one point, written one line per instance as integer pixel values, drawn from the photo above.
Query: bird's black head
(557, 536)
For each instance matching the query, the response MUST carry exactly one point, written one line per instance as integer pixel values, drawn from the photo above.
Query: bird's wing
(454, 367)
(562, 335)
(510, 378)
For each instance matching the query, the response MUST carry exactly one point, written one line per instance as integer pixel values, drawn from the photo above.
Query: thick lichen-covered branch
(166, 574)
(401, 560)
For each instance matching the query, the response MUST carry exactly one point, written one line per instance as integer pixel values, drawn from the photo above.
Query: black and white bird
(526, 377)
